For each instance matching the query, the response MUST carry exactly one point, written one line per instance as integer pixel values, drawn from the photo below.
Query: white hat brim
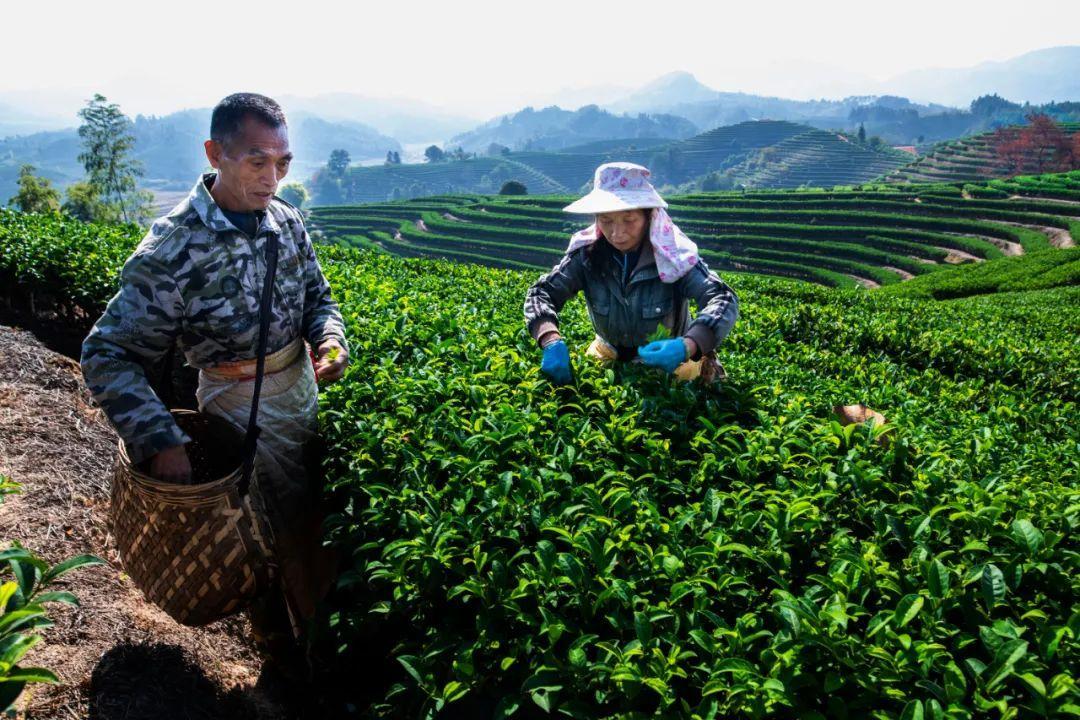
(603, 201)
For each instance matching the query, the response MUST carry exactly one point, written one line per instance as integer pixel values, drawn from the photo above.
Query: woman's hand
(664, 354)
(556, 363)
(331, 360)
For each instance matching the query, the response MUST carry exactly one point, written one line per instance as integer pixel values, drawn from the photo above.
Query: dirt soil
(117, 655)
(865, 282)
(904, 274)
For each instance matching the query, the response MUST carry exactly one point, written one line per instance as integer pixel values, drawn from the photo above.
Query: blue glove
(556, 363)
(664, 354)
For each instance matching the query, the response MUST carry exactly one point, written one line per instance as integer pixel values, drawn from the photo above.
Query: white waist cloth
(288, 418)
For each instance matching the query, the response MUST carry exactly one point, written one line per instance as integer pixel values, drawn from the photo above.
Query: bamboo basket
(200, 552)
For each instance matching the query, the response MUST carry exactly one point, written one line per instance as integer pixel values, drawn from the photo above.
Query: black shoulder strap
(251, 440)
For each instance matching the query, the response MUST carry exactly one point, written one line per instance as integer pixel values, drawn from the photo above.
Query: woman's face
(625, 230)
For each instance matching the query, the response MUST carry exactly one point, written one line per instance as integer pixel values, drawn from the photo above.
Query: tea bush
(633, 547)
(22, 609)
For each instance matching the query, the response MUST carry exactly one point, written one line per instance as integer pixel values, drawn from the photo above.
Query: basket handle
(251, 440)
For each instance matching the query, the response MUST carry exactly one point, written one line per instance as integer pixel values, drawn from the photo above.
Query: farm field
(631, 547)
(869, 235)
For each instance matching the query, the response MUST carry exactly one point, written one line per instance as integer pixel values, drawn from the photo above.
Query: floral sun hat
(621, 186)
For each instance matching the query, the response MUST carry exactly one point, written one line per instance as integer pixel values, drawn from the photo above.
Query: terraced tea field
(872, 236)
(964, 160)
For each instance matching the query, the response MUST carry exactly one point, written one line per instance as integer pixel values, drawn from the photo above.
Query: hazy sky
(483, 57)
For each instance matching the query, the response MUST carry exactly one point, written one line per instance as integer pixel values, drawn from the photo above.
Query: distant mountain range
(553, 128)
(1039, 77)
(919, 107)
(171, 149)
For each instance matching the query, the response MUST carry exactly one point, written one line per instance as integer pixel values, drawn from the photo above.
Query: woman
(638, 271)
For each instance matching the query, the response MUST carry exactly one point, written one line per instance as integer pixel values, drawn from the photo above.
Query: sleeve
(718, 307)
(546, 297)
(140, 324)
(322, 317)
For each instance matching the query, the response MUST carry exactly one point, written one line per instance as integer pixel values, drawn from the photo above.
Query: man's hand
(172, 465)
(331, 360)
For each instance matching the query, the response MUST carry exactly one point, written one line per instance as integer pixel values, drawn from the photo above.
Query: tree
(434, 154)
(36, 194)
(988, 105)
(107, 146)
(1040, 146)
(460, 154)
(513, 187)
(392, 157)
(495, 149)
(1052, 147)
(294, 193)
(338, 164)
(862, 134)
(83, 202)
(327, 189)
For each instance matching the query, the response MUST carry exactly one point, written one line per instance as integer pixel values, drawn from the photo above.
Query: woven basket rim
(207, 493)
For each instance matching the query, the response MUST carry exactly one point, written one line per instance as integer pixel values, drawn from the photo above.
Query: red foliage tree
(1011, 147)
(1051, 146)
(1040, 146)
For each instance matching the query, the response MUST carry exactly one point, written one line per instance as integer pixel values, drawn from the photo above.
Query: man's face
(250, 166)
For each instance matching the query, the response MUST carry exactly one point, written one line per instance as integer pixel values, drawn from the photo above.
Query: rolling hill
(803, 156)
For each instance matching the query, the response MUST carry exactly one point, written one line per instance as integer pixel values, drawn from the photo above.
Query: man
(196, 280)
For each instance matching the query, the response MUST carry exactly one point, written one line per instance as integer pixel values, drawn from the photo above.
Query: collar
(210, 212)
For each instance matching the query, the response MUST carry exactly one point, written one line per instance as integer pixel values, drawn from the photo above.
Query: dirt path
(904, 274)
(117, 656)
(956, 257)
(1047, 199)
(1058, 237)
(1008, 247)
(865, 282)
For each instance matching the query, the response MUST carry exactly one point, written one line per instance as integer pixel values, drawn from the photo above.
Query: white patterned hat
(618, 186)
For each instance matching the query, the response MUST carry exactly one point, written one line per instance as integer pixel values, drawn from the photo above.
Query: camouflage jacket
(195, 280)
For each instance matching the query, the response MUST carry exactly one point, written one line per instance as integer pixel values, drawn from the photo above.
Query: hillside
(815, 158)
(876, 235)
(811, 159)
(628, 546)
(967, 159)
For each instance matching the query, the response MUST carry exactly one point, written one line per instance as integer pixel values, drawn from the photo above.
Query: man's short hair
(229, 115)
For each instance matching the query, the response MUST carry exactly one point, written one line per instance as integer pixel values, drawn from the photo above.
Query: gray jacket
(625, 313)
